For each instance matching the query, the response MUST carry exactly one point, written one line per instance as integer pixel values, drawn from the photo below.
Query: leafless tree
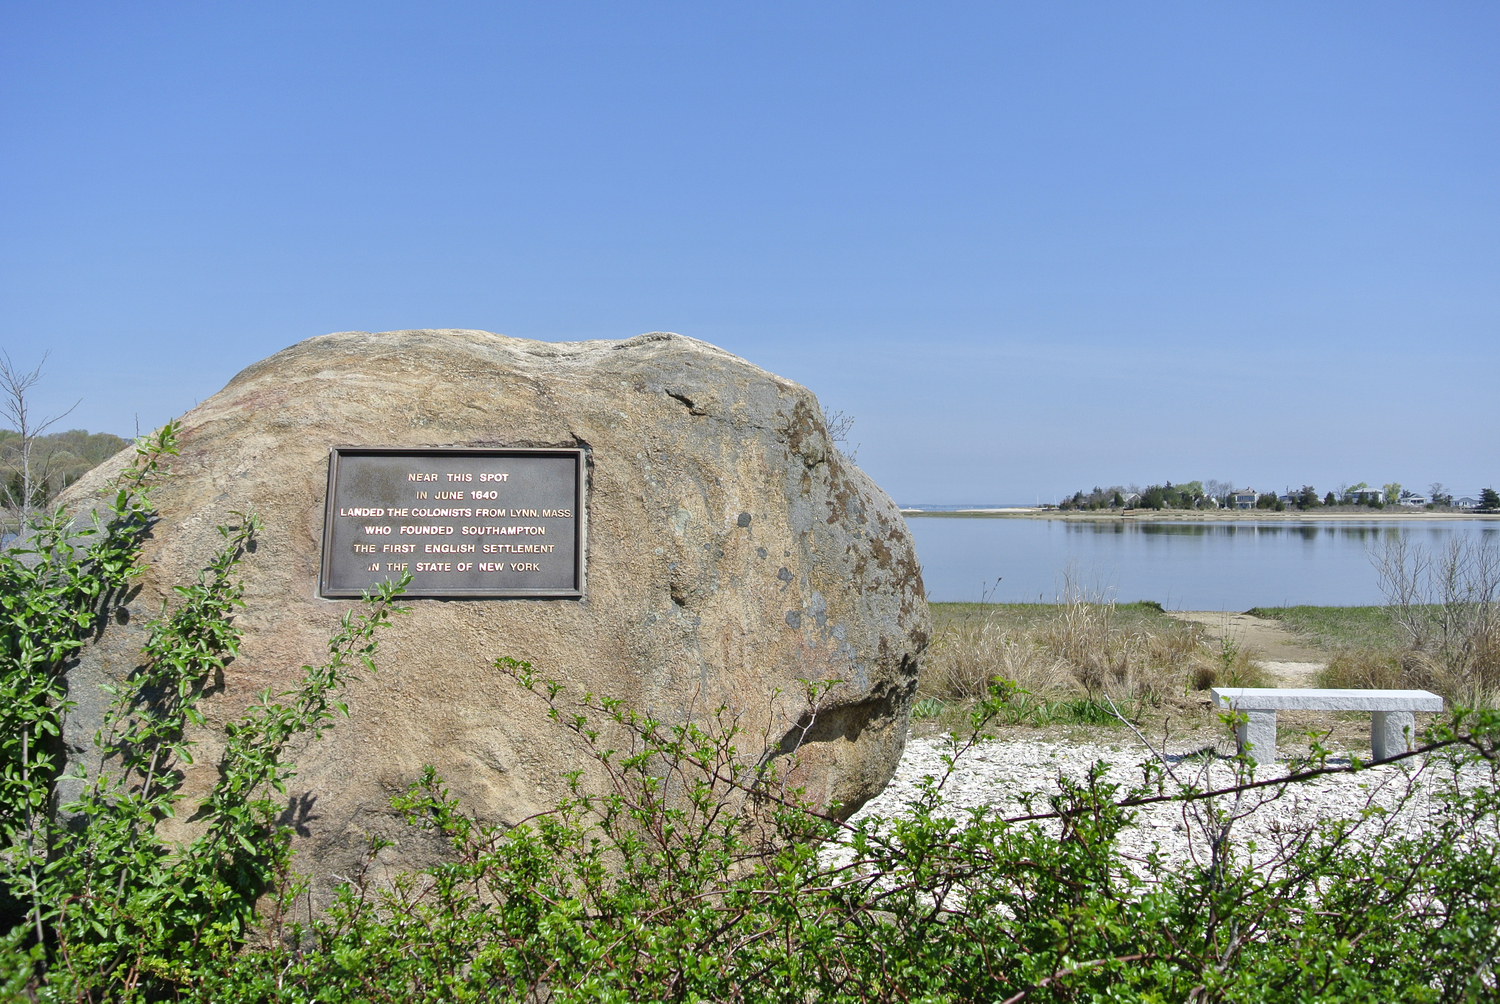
(23, 482)
(1405, 573)
(1447, 603)
(1218, 490)
(839, 427)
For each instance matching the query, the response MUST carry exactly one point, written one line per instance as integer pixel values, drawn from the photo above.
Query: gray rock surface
(731, 551)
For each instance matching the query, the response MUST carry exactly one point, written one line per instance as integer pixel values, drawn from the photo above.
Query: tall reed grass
(1080, 648)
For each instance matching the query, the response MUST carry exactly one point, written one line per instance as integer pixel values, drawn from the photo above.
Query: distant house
(1412, 498)
(1466, 503)
(1366, 495)
(1243, 499)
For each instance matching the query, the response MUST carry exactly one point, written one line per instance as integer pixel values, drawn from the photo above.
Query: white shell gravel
(995, 773)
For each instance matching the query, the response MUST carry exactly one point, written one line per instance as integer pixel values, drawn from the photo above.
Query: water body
(1182, 565)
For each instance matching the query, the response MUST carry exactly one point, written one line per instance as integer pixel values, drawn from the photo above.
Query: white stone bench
(1392, 724)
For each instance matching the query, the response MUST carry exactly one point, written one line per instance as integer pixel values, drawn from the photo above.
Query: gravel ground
(996, 772)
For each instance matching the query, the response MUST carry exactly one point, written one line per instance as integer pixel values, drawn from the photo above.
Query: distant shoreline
(1193, 515)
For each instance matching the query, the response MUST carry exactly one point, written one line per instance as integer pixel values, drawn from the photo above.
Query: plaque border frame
(579, 524)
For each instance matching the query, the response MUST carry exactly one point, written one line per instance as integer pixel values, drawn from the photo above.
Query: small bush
(1369, 669)
(927, 707)
(1231, 665)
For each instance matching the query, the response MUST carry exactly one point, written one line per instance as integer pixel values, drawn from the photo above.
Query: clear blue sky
(1030, 247)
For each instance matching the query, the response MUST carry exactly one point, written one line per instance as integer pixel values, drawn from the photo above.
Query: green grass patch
(1024, 709)
(1082, 711)
(1336, 628)
(1127, 616)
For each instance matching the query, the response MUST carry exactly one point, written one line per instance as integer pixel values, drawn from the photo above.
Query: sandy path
(1285, 656)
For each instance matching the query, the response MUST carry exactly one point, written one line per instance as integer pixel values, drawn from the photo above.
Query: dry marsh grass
(1440, 630)
(1472, 680)
(1082, 648)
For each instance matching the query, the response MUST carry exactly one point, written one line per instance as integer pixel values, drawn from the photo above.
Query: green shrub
(699, 876)
(105, 909)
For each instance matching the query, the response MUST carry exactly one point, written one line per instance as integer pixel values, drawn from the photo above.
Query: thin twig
(1093, 964)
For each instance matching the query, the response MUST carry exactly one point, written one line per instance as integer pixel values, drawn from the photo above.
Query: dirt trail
(1286, 657)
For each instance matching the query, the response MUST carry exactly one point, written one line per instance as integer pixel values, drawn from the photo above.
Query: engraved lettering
(528, 533)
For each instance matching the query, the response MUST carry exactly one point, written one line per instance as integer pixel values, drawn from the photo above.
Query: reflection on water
(1181, 564)
(1364, 532)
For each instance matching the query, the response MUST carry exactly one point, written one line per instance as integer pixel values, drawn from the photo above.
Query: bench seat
(1392, 724)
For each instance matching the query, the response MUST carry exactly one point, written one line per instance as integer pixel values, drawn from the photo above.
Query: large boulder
(731, 552)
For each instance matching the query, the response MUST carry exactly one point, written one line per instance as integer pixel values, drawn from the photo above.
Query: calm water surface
(1182, 565)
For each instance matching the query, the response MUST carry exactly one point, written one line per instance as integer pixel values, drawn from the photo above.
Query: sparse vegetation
(58, 459)
(1337, 628)
(35, 465)
(1081, 649)
(840, 426)
(1446, 606)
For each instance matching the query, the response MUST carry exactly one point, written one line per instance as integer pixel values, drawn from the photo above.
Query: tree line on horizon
(57, 460)
(1213, 494)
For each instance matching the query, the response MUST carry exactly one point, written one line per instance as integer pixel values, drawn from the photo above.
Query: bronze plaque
(467, 524)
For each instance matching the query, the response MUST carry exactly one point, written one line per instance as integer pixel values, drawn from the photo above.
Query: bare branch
(18, 492)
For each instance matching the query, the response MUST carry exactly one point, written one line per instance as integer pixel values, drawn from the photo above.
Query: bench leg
(1257, 736)
(1391, 733)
